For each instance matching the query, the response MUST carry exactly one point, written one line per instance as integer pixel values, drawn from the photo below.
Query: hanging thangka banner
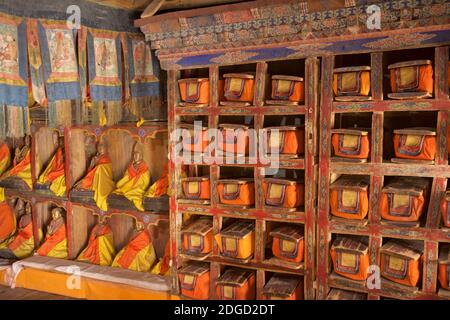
(105, 74)
(60, 70)
(142, 78)
(13, 77)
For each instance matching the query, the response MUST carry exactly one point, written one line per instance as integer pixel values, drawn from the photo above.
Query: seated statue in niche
(53, 177)
(7, 221)
(100, 248)
(99, 178)
(21, 171)
(21, 245)
(55, 242)
(5, 162)
(133, 184)
(139, 254)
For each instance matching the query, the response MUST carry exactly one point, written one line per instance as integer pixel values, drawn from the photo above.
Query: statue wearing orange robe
(7, 222)
(22, 243)
(55, 242)
(5, 162)
(54, 172)
(22, 164)
(139, 254)
(100, 249)
(99, 178)
(162, 185)
(135, 181)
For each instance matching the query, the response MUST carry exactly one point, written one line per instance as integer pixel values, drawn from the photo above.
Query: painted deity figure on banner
(53, 176)
(105, 57)
(55, 242)
(139, 254)
(143, 64)
(21, 164)
(100, 248)
(9, 56)
(62, 51)
(135, 181)
(99, 177)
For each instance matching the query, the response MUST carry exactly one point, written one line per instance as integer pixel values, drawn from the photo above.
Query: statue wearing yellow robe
(100, 248)
(55, 242)
(21, 245)
(5, 162)
(139, 254)
(135, 181)
(22, 164)
(54, 172)
(162, 186)
(99, 178)
(162, 268)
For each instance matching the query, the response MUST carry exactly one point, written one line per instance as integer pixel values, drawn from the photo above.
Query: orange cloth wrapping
(407, 78)
(194, 280)
(99, 179)
(239, 193)
(100, 249)
(237, 241)
(7, 222)
(234, 139)
(196, 188)
(284, 140)
(283, 193)
(350, 258)
(198, 139)
(445, 210)
(5, 158)
(55, 244)
(355, 83)
(427, 146)
(236, 285)
(415, 212)
(401, 262)
(194, 90)
(54, 174)
(288, 88)
(22, 244)
(349, 197)
(444, 266)
(162, 268)
(350, 145)
(239, 87)
(288, 243)
(198, 237)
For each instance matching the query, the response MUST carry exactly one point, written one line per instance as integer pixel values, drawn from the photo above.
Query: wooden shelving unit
(309, 68)
(381, 111)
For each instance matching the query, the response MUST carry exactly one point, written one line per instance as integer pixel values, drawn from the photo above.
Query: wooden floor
(7, 293)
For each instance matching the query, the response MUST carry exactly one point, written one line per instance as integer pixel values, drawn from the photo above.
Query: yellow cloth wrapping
(142, 262)
(58, 185)
(5, 162)
(27, 247)
(157, 269)
(25, 175)
(2, 194)
(105, 249)
(103, 185)
(134, 188)
(59, 251)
